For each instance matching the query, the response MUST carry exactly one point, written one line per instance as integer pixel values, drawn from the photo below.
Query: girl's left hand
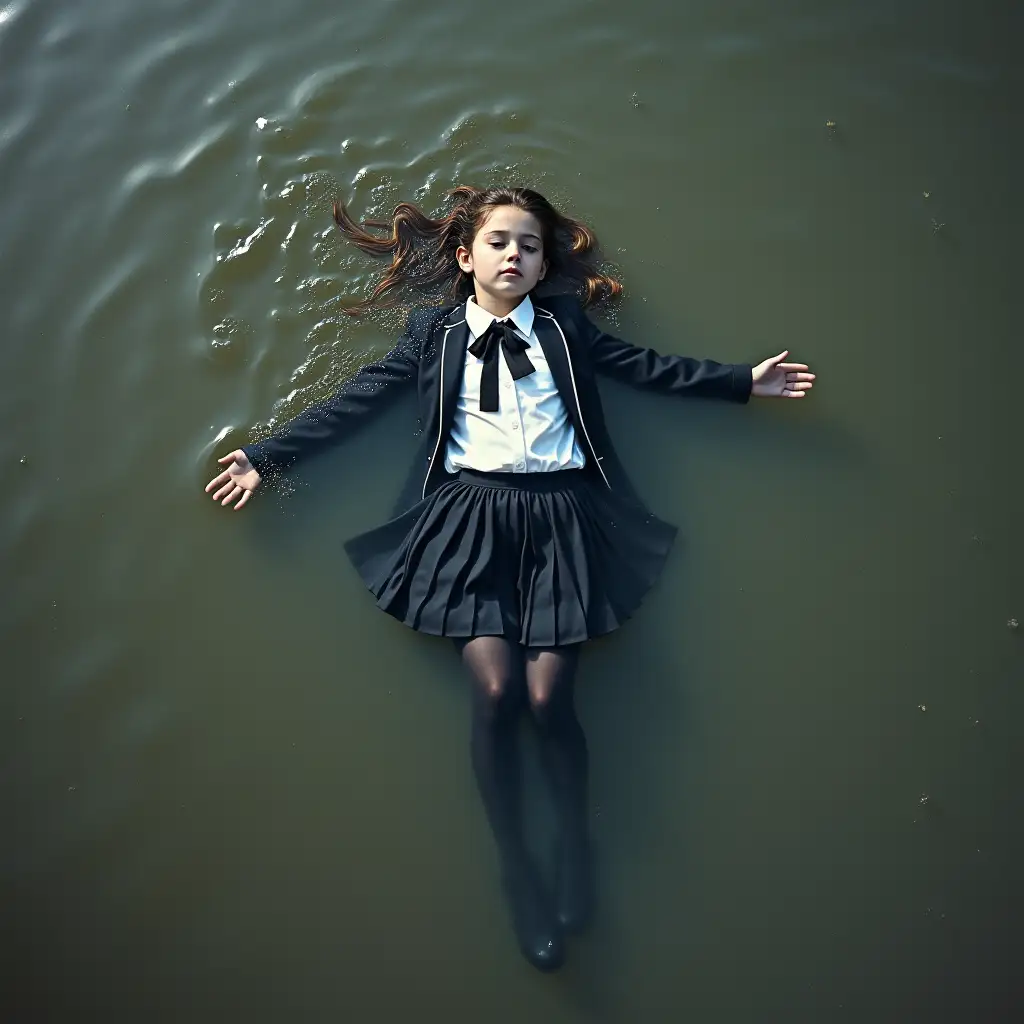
(775, 379)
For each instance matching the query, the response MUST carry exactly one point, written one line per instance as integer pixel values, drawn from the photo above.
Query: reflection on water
(233, 787)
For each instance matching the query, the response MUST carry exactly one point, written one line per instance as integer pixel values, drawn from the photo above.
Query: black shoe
(574, 885)
(532, 919)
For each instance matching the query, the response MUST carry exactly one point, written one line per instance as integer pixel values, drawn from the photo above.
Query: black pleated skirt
(544, 559)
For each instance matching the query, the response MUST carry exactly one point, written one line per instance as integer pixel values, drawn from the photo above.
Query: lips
(511, 272)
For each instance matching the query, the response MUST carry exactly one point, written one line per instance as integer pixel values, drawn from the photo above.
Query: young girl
(518, 534)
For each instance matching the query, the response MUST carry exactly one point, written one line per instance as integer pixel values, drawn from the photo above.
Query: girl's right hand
(238, 478)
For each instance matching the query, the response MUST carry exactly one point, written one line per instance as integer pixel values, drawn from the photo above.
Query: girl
(518, 534)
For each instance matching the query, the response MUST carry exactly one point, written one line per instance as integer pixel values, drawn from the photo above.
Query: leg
(550, 677)
(495, 667)
(550, 674)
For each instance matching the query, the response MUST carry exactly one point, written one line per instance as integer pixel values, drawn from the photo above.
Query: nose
(514, 254)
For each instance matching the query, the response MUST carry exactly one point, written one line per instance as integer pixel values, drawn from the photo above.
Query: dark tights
(506, 679)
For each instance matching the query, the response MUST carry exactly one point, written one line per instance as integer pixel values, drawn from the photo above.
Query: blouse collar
(479, 319)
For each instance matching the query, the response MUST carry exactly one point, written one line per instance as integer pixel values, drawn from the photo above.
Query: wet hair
(422, 250)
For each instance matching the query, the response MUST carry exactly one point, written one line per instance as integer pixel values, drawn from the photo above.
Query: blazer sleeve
(673, 375)
(371, 390)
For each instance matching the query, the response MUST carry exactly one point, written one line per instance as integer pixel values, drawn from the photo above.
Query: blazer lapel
(556, 351)
(455, 341)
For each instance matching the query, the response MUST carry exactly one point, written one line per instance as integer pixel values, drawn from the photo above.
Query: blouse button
(515, 426)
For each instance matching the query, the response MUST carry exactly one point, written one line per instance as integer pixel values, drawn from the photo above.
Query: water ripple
(301, 174)
(195, 159)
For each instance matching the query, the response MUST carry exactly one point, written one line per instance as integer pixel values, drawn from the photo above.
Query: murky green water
(232, 789)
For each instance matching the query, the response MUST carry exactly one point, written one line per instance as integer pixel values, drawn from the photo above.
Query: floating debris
(924, 799)
(1012, 623)
(937, 226)
(927, 195)
(635, 100)
(261, 123)
(922, 707)
(830, 125)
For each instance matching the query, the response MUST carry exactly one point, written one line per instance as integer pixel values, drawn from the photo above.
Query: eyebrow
(502, 231)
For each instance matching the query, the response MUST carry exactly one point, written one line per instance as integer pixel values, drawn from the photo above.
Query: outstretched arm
(674, 375)
(645, 368)
(370, 391)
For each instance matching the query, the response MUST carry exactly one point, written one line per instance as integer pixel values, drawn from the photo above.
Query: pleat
(543, 567)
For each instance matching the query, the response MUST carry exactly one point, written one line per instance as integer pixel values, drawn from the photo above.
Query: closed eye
(525, 248)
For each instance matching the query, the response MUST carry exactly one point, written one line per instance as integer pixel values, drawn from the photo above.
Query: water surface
(232, 788)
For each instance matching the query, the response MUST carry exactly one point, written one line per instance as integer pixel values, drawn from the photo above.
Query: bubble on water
(230, 333)
(922, 707)
(923, 801)
(1012, 623)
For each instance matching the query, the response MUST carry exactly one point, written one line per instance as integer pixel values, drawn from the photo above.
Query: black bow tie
(499, 334)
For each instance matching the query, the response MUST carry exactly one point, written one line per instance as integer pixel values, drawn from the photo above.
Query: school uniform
(519, 520)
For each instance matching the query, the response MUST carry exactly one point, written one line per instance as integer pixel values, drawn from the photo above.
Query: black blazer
(432, 354)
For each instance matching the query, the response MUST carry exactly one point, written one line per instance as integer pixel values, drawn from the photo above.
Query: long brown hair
(422, 250)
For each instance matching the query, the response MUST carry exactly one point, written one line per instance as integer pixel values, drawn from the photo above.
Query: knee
(542, 706)
(495, 687)
(495, 696)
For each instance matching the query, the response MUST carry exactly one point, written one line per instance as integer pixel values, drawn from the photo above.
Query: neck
(499, 306)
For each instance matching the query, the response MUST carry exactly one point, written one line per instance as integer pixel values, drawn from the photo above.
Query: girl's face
(507, 256)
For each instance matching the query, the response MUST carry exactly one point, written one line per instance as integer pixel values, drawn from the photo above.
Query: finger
(799, 376)
(793, 366)
(775, 360)
(224, 490)
(804, 385)
(217, 480)
(230, 457)
(792, 394)
(232, 494)
(245, 498)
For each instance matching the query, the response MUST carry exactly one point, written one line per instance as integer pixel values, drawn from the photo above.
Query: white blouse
(531, 431)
